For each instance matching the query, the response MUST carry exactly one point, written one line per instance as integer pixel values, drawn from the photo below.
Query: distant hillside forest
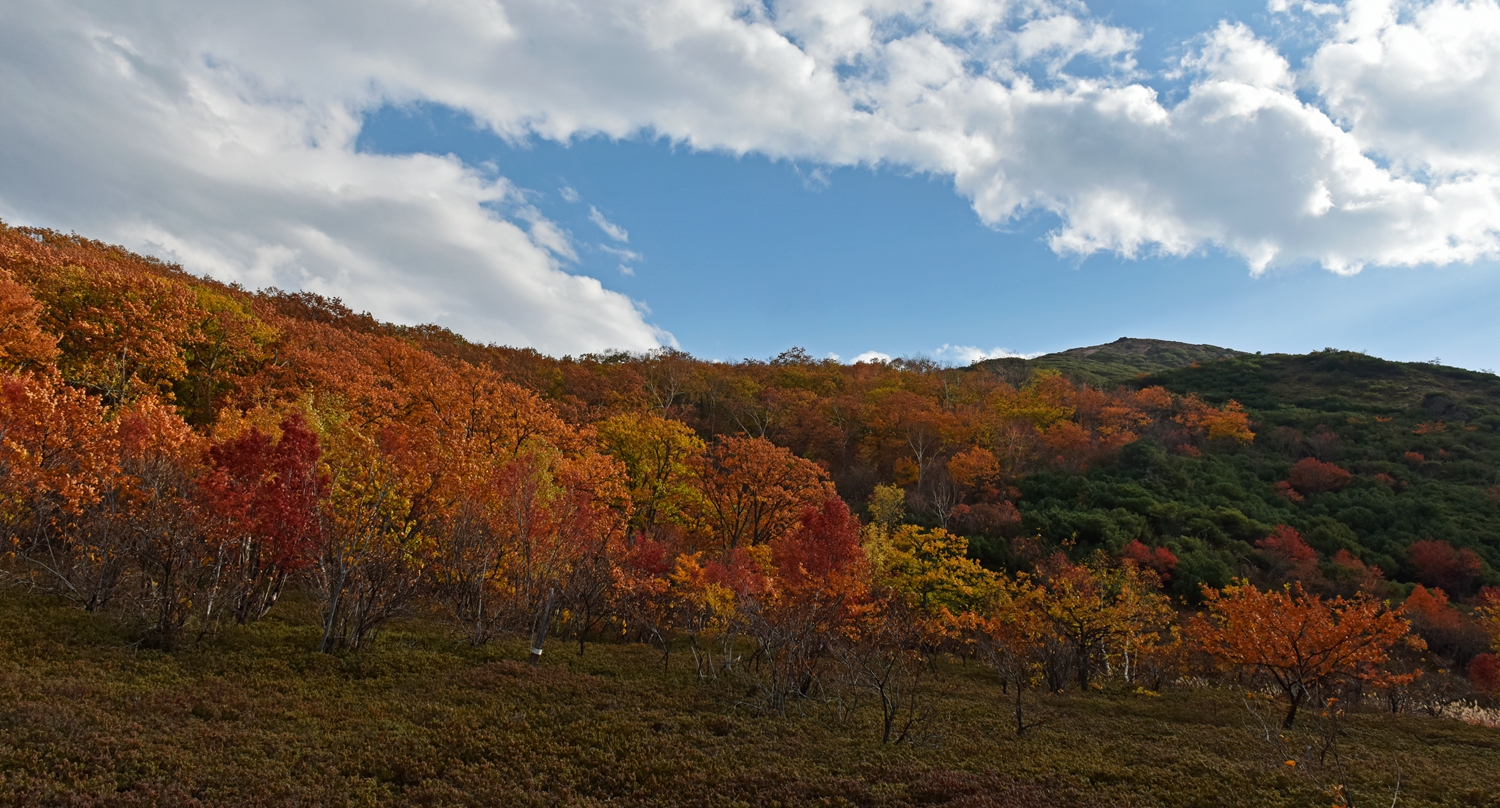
(183, 450)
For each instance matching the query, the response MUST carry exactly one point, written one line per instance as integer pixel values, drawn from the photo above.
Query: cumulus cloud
(1422, 92)
(224, 133)
(151, 132)
(969, 354)
(870, 356)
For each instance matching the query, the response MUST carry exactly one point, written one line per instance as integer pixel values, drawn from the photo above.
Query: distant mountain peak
(1153, 348)
(1124, 360)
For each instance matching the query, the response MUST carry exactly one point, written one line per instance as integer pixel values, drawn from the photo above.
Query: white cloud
(969, 354)
(568, 194)
(1319, 9)
(870, 356)
(151, 131)
(622, 254)
(815, 179)
(1419, 86)
(610, 229)
(224, 132)
(625, 256)
(1233, 54)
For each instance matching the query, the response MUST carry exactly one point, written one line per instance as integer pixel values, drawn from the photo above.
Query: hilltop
(1120, 362)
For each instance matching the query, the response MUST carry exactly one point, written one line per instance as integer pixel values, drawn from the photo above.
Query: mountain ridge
(1114, 363)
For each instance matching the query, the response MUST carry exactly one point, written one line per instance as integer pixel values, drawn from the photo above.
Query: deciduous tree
(752, 491)
(1097, 608)
(1159, 560)
(821, 580)
(881, 657)
(1009, 630)
(929, 568)
(1289, 556)
(1307, 646)
(376, 540)
(23, 344)
(182, 569)
(658, 455)
(1312, 476)
(267, 495)
(1439, 564)
(57, 459)
(120, 333)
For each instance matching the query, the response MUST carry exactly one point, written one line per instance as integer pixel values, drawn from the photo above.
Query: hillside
(1125, 360)
(1340, 382)
(1419, 439)
(260, 548)
(1428, 431)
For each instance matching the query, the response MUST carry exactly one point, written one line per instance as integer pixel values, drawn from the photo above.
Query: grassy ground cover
(253, 716)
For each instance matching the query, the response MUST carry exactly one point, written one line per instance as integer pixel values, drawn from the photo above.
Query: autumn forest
(263, 522)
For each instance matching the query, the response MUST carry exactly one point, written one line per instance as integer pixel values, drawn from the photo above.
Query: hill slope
(1339, 381)
(1420, 440)
(180, 444)
(1121, 361)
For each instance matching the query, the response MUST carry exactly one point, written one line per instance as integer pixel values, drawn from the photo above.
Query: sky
(953, 179)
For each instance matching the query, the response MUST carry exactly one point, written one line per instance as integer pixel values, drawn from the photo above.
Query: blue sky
(814, 178)
(746, 257)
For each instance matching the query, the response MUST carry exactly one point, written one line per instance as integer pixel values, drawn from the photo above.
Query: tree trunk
(1291, 715)
(1020, 723)
(540, 636)
(1082, 661)
(888, 716)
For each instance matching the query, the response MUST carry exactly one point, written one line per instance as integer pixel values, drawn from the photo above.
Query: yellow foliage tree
(929, 568)
(658, 455)
(1101, 610)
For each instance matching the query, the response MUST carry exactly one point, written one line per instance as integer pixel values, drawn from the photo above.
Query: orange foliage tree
(183, 571)
(1007, 629)
(23, 344)
(57, 457)
(532, 531)
(120, 334)
(709, 600)
(1307, 646)
(752, 491)
(881, 658)
(1433, 618)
